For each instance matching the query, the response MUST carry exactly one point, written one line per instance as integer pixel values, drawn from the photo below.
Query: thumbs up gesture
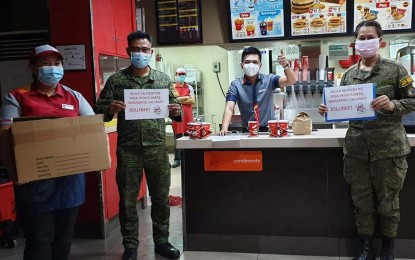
(282, 60)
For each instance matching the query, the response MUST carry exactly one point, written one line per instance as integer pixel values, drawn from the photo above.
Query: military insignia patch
(411, 92)
(406, 81)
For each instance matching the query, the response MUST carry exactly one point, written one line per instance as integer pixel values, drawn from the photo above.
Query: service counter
(296, 203)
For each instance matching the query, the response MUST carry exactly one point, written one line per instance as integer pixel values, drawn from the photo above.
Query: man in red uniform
(186, 96)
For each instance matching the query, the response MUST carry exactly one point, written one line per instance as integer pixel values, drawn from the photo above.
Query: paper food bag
(302, 124)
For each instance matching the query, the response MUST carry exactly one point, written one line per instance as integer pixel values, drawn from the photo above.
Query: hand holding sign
(383, 102)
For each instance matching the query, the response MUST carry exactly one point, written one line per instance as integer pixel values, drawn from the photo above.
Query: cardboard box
(51, 148)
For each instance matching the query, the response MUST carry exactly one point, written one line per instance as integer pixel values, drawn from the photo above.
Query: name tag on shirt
(68, 107)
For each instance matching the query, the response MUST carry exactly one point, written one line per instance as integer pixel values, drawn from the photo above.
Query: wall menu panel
(392, 15)
(316, 17)
(179, 21)
(256, 19)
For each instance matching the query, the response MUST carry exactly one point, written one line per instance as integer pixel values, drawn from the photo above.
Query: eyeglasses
(140, 49)
(181, 74)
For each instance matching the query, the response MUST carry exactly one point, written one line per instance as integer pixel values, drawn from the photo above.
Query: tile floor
(112, 249)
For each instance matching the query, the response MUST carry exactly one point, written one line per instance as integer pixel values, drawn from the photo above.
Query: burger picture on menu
(336, 21)
(301, 6)
(300, 23)
(317, 22)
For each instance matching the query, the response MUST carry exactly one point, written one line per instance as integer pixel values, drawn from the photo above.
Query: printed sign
(233, 161)
(146, 103)
(73, 56)
(314, 17)
(390, 14)
(350, 102)
(339, 51)
(256, 19)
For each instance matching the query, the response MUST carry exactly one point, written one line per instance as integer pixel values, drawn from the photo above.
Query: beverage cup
(253, 128)
(205, 131)
(273, 128)
(283, 127)
(194, 130)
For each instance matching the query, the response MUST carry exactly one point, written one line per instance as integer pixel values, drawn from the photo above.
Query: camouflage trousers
(155, 162)
(375, 188)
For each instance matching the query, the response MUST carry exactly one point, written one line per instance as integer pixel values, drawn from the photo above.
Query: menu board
(315, 17)
(179, 21)
(390, 14)
(256, 19)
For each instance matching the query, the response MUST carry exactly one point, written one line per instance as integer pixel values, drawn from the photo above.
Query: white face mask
(251, 69)
(367, 48)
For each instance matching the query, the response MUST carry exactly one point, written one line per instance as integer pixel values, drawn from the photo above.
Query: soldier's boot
(365, 249)
(176, 163)
(386, 252)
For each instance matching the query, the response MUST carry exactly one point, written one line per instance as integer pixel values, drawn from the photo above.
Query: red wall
(70, 23)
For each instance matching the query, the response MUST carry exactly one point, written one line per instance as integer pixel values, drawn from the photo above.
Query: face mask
(50, 75)
(367, 48)
(251, 69)
(140, 60)
(181, 78)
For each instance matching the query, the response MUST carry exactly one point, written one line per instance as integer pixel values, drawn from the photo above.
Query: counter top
(318, 139)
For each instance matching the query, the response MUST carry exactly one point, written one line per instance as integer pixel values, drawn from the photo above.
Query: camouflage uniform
(141, 145)
(375, 151)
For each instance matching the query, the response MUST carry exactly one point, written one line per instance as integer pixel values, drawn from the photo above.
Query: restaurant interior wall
(202, 57)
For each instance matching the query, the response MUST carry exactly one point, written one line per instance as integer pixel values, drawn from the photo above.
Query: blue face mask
(181, 78)
(50, 75)
(140, 60)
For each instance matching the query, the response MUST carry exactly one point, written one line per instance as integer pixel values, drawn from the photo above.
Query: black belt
(261, 129)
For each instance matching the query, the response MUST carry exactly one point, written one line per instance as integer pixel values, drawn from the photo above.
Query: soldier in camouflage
(375, 151)
(141, 145)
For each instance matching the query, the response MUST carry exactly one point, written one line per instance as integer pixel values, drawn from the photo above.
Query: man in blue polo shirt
(255, 90)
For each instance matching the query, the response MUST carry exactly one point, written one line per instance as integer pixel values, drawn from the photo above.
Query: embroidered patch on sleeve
(406, 81)
(411, 92)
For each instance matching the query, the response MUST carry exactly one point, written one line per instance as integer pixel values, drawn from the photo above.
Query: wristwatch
(287, 65)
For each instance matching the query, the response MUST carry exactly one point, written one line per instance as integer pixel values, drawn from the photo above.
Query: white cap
(181, 70)
(43, 50)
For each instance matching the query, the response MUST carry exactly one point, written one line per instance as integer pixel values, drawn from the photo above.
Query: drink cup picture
(263, 28)
(270, 25)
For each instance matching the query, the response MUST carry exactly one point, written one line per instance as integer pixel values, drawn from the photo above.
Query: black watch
(287, 65)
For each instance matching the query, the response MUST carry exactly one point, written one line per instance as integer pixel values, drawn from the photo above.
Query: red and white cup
(197, 130)
(205, 131)
(283, 128)
(193, 130)
(253, 128)
(273, 128)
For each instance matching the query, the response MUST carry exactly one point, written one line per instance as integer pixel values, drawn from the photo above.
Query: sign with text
(146, 103)
(338, 51)
(233, 161)
(350, 102)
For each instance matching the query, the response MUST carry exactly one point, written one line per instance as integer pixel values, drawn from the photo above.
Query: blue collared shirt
(241, 92)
